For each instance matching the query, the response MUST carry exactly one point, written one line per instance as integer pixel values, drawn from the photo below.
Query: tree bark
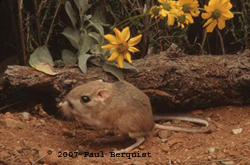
(172, 81)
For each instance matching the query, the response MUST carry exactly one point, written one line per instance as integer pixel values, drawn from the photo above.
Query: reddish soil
(26, 138)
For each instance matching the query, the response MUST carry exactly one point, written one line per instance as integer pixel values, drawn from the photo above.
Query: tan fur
(118, 105)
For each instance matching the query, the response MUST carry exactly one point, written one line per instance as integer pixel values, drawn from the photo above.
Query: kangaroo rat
(118, 105)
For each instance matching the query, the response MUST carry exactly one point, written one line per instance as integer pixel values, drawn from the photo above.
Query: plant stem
(37, 16)
(20, 25)
(203, 42)
(221, 42)
(52, 23)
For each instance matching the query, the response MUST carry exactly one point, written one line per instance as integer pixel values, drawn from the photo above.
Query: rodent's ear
(103, 94)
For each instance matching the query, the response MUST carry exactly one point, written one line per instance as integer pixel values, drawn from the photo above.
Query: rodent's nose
(62, 104)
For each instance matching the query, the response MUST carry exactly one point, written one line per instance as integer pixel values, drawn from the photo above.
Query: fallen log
(171, 80)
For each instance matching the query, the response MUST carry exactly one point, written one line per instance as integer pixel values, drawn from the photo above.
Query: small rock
(141, 147)
(164, 134)
(38, 109)
(178, 161)
(25, 116)
(8, 115)
(69, 82)
(109, 133)
(237, 131)
(67, 132)
(176, 121)
(49, 156)
(228, 162)
(164, 140)
(210, 150)
(11, 123)
(197, 112)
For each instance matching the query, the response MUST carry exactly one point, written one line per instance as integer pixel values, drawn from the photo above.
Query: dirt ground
(37, 138)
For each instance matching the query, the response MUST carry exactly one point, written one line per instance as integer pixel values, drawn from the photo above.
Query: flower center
(186, 8)
(182, 19)
(216, 14)
(156, 11)
(166, 6)
(121, 49)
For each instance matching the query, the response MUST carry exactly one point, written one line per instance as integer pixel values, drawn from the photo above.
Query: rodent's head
(85, 101)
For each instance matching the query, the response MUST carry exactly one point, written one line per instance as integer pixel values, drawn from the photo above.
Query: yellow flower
(218, 11)
(182, 19)
(169, 10)
(154, 11)
(189, 6)
(121, 45)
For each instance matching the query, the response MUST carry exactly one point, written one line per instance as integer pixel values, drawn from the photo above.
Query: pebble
(164, 134)
(52, 159)
(8, 115)
(210, 150)
(68, 133)
(237, 131)
(228, 162)
(25, 116)
(176, 121)
(11, 123)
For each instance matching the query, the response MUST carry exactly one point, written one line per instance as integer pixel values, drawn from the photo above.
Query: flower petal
(113, 56)
(118, 35)
(208, 22)
(108, 46)
(195, 13)
(133, 49)
(120, 61)
(135, 40)
(210, 27)
(221, 24)
(170, 20)
(111, 38)
(189, 18)
(206, 15)
(127, 56)
(126, 33)
(209, 8)
(227, 14)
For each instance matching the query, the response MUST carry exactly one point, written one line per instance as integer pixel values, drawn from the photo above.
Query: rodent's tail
(183, 118)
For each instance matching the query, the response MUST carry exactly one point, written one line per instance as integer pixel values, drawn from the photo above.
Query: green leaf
(96, 61)
(82, 6)
(71, 13)
(97, 26)
(96, 49)
(72, 35)
(82, 62)
(99, 16)
(129, 66)
(85, 44)
(98, 37)
(114, 71)
(41, 60)
(69, 57)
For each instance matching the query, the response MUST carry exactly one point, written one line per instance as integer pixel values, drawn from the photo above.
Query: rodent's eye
(85, 99)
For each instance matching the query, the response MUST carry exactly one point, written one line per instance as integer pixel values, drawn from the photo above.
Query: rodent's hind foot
(138, 142)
